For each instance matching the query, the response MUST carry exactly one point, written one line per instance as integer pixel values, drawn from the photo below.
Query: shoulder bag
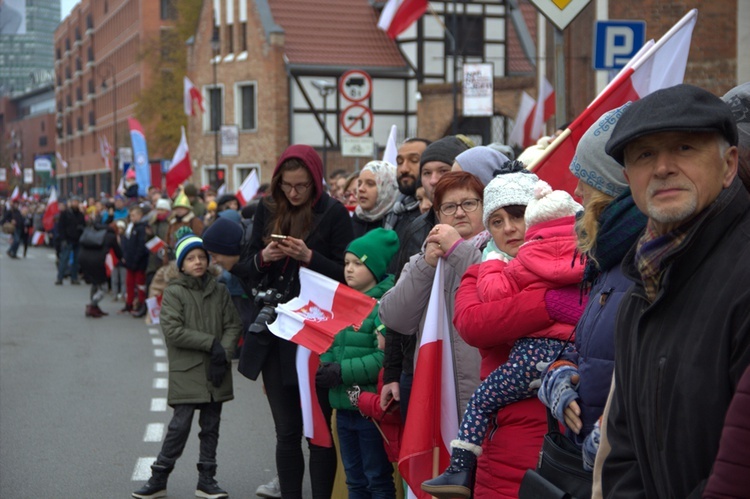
(92, 238)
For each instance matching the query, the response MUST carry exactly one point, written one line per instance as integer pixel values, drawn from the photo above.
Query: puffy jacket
(356, 351)
(194, 313)
(390, 422)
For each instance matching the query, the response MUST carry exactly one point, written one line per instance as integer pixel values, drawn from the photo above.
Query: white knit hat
(506, 190)
(549, 205)
(163, 204)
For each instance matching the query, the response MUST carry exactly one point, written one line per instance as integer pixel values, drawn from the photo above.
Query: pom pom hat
(548, 205)
(506, 190)
(186, 245)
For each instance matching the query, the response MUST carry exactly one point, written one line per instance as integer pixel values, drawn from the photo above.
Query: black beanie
(224, 237)
(444, 150)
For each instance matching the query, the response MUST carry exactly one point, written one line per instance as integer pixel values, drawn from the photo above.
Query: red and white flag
(221, 190)
(656, 66)
(16, 194)
(16, 169)
(154, 308)
(532, 115)
(180, 169)
(248, 188)
(52, 209)
(155, 244)
(432, 420)
(323, 308)
(110, 262)
(398, 15)
(38, 238)
(60, 160)
(313, 420)
(189, 95)
(105, 150)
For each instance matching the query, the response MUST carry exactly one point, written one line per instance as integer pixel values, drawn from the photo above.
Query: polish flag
(180, 169)
(155, 244)
(248, 188)
(16, 194)
(48, 219)
(221, 190)
(390, 154)
(656, 66)
(110, 262)
(189, 94)
(16, 169)
(154, 308)
(532, 115)
(323, 308)
(105, 150)
(432, 420)
(398, 15)
(313, 420)
(60, 160)
(38, 238)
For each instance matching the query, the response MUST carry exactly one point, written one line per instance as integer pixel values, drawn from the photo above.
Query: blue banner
(140, 157)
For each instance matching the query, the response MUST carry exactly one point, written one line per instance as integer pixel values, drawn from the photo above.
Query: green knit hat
(185, 245)
(375, 249)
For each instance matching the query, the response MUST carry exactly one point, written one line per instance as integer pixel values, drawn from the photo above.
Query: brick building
(98, 75)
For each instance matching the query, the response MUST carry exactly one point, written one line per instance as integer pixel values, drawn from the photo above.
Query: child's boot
(207, 486)
(456, 480)
(156, 485)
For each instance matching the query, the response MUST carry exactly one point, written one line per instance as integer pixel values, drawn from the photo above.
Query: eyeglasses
(349, 194)
(300, 188)
(468, 205)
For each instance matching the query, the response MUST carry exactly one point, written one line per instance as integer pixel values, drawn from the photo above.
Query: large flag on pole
(16, 169)
(16, 194)
(398, 15)
(323, 308)
(249, 188)
(313, 420)
(180, 169)
(532, 115)
(390, 154)
(60, 160)
(190, 95)
(657, 65)
(432, 421)
(52, 209)
(140, 156)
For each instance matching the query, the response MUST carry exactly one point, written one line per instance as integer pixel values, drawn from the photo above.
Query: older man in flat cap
(683, 333)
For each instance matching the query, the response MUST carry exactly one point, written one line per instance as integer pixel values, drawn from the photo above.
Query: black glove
(328, 375)
(216, 373)
(218, 354)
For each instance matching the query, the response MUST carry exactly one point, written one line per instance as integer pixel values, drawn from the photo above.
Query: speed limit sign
(355, 85)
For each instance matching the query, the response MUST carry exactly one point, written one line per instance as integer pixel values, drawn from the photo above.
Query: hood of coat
(310, 159)
(550, 252)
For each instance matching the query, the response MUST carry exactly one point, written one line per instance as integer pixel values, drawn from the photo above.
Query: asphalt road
(82, 401)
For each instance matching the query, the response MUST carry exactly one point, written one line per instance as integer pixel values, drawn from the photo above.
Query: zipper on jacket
(658, 403)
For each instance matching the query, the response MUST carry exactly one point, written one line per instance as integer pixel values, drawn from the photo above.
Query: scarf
(620, 224)
(492, 248)
(651, 253)
(387, 185)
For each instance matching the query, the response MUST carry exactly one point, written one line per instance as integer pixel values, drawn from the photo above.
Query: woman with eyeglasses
(459, 239)
(350, 192)
(377, 191)
(298, 224)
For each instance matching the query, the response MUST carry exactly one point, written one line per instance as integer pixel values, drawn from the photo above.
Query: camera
(267, 300)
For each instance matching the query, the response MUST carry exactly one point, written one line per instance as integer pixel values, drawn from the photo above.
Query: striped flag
(155, 244)
(190, 94)
(60, 160)
(110, 262)
(532, 115)
(16, 169)
(390, 154)
(248, 188)
(179, 169)
(398, 15)
(38, 238)
(313, 420)
(52, 209)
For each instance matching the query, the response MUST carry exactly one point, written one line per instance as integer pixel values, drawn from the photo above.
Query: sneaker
(270, 489)
(209, 489)
(75, 283)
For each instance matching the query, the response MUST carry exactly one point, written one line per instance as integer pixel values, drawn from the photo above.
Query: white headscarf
(387, 185)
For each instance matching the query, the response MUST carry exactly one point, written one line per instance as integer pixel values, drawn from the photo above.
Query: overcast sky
(66, 6)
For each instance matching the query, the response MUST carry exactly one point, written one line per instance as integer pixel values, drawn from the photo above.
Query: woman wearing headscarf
(315, 230)
(377, 191)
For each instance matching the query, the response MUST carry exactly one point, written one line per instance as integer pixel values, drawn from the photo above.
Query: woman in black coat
(92, 261)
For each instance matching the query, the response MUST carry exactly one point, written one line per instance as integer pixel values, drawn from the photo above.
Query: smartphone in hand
(277, 237)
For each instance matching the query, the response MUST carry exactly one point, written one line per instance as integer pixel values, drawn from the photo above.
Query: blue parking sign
(615, 42)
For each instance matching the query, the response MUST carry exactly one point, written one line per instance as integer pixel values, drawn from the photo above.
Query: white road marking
(158, 342)
(160, 352)
(154, 432)
(161, 383)
(153, 330)
(161, 367)
(158, 404)
(142, 470)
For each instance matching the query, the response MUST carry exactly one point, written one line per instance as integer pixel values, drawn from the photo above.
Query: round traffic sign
(356, 120)
(355, 85)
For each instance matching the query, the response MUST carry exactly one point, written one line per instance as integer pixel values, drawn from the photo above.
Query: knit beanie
(594, 166)
(182, 201)
(482, 162)
(224, 237)
(375, 249)
(185, 246)
(444, 150)
(549, 205)
(387, 185)
(163, 204)
(230, 214)
(190, 190)
(506, 190)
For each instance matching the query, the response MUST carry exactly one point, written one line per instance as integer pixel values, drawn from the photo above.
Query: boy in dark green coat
(201, 327)
(353, 362)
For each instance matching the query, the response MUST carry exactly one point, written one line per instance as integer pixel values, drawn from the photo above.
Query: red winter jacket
(493, 327)
(389, 422)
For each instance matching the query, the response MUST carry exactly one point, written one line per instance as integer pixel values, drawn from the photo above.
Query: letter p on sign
(616, 42)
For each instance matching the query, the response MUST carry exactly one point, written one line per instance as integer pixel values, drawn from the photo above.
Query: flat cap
(682, 108)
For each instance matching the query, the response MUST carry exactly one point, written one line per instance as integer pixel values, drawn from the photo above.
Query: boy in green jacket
(353, 362)
(201, 327)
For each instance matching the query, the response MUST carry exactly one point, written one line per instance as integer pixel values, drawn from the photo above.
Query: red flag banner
(398, 15)
(313, 420)
(180, 169)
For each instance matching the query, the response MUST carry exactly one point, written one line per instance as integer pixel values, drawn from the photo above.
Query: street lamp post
(325, 88)
(215, 48)
(106, 71)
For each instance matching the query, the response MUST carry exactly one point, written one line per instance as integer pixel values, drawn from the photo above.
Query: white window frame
(238, 105)
(207, 115)
(211, 166)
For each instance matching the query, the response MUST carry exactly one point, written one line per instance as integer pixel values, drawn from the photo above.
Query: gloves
(217, 369)
(557, 390)
(591, 446)
(565, 304)
(328, 375)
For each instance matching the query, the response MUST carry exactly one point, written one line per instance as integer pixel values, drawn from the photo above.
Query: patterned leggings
(507, 384)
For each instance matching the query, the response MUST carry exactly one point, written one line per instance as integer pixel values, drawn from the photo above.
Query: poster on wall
(478, 90)
(13, 17)
(230, 140)
(3, 175)
(28, 176)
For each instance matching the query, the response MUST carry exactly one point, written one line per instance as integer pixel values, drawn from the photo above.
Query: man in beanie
(196, 203)
(682, 339)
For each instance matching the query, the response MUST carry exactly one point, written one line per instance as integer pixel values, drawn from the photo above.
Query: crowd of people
(625, 316)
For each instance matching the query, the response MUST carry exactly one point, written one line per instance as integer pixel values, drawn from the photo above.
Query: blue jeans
(369, 474)
(65, 252)
(17, 235)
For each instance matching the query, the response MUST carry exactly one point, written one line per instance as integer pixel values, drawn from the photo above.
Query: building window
(243, 37)
(89, 22)
(59, 80)
(78, 34)
(79, 124)
(216, 102)
(67, 44)
(92, 90)
(67, 72)
(230, 38)
(90, 53)
(167, 10)
(43, 141)
(58, 53)
(92, 120)
(79, 65)
(79, 94)
(246, 106)
(469, 36)
(69, 100)
(59, 106)
(106, 6)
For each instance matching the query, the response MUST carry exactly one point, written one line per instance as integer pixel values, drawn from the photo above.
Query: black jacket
(134, 249)
(679, 359)
(91, 260)
(362, 227)
(71, 225)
